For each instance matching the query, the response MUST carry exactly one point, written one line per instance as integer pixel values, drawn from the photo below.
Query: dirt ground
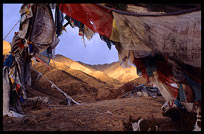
(105, 115)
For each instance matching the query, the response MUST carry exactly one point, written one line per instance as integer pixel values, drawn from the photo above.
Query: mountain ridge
(108, 73)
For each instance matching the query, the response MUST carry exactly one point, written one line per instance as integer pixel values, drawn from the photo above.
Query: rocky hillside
(116, 71)
(112, 73)
(84, 82)
(63, 63)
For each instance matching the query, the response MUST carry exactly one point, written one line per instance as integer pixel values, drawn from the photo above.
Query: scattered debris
(136, 125)
(140, 124)
(196, 127)
(32, 100)
(143, 90)
(108, 112)
(14, 114)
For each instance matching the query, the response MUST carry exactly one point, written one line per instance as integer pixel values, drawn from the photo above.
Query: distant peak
(61, 56)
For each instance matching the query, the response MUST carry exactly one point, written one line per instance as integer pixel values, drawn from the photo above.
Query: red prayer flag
(96, 18)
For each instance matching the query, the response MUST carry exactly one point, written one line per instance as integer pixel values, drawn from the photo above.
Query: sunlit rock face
(116, 71)
(6, 47)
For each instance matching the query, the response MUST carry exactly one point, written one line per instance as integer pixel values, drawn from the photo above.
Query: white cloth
(14, 114)
(136, 125)
(6, 91)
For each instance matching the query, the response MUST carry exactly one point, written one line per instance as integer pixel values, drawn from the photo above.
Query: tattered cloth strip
(88, 32)
(68, 98)
(126, 57)
(108, 42)
(14, 114)
(26, 14)
(59, 19)
(195, 86)
(176, 36)
(17, 77)
(55, 42)
(115, 33)
(6, 91)
(96, 18)
(164, 90)
(48, 54)
(21, 68)
(8, 61)
(43, 28)
(8, 103)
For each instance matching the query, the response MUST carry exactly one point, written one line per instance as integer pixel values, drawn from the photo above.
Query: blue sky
(71, 44)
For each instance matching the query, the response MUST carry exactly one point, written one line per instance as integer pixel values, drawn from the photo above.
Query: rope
(68, 98)
(11, 29)
(150, 15)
